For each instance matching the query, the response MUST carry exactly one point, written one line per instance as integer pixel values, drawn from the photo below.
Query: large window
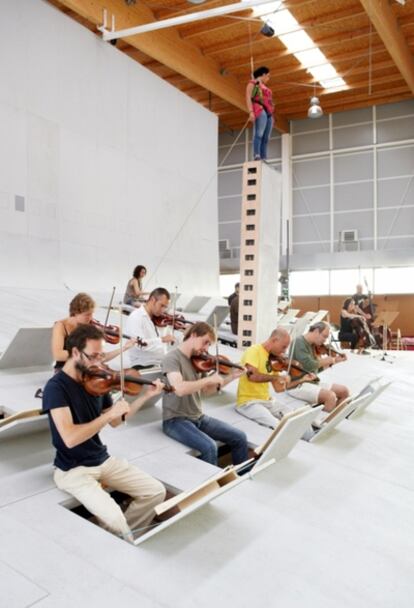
(227, 282)
(394, 280)
(309, 283)
(344, 282)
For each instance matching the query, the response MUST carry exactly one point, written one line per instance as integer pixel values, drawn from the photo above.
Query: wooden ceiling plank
(388, 28)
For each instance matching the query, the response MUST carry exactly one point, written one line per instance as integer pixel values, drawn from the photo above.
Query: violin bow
(328, 318)
(109, 307)
(174, 308)
(121, 357)
(290, 358)
(217, 348)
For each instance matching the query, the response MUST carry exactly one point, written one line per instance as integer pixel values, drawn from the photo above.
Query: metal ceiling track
(108, 35)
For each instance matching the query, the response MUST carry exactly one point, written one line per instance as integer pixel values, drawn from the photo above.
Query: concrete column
(259, 252)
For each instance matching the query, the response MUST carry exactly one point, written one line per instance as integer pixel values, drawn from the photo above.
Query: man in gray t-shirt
(183, 419)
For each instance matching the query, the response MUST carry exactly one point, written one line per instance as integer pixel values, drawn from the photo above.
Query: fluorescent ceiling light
(300, 44)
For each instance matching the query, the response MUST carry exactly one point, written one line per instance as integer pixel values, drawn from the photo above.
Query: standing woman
(134, 292)
(260, 105)
(81, 311)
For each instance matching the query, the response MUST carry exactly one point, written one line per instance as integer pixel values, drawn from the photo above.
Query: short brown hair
(320, 326)
(201, 328)
(79, 337)
(82, 302)
(158, 292)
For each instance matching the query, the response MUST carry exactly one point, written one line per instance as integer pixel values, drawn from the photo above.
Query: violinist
(363, 304)
(348, 331)
(82, 460)
(134, 293)
(140, 323)
(253, 395)
(305, 350)
(81, 310)
(183, 418)
(359, 295)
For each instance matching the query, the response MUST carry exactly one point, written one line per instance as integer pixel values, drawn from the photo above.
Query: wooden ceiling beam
(354, 87)
(327, 103)
(335, 39)
(165, 46)
(321, 43)
(377, 100)
(388, 28)
(295, 65)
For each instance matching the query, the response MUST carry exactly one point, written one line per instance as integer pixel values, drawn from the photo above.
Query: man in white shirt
(140, 324)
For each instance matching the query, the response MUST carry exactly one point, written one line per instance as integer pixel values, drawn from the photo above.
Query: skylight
(300, 44)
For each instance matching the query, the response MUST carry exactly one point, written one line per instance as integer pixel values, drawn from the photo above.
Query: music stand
(385, 318)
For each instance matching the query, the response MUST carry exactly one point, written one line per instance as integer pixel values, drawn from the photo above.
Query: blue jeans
(200, 435)
(262, 129)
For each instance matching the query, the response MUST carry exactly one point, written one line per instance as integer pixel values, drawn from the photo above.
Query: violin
(323, 349)
(111, 333)
(175, 321)
(100, 379)
(294, 368)
(204, 362)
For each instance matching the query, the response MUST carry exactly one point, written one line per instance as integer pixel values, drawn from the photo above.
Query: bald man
(254, 400)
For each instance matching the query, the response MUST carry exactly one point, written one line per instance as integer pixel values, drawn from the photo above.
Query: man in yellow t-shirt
(253, 394)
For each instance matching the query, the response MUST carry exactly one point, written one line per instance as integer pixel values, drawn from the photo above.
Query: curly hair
(82, 302)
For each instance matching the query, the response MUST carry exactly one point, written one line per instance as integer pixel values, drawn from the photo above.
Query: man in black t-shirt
(82, 461)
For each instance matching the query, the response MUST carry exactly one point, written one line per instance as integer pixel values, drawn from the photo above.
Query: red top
(262, 95)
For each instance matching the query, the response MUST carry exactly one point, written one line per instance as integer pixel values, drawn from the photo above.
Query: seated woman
(134, 294)
(347, 332)
(81, 311)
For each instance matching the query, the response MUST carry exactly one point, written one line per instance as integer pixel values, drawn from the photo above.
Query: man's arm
(188, 387)
(256, 376)
(75, 434)
(136, 405)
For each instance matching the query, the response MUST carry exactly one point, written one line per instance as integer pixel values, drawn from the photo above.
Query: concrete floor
(330, 525)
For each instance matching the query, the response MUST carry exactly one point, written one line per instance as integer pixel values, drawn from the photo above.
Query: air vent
(348, 236)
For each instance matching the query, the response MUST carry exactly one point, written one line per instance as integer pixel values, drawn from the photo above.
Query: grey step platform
(30, 347)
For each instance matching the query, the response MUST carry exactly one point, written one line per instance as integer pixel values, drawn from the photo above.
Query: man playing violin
(253, 395)
(183, 418)
(82, 461)
(305, 351)
(140, 323)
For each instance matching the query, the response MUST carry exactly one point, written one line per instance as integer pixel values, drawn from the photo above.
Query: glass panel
(309, 283)
(227, 282)
(394, 280)
(344, 282)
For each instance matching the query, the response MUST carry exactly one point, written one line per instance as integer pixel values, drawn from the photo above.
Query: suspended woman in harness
(260, 106)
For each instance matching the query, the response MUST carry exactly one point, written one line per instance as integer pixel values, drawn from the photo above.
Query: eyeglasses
(97, 357)
(269, 367)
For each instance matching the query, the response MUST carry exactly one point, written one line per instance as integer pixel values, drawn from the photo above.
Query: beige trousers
(84, 483)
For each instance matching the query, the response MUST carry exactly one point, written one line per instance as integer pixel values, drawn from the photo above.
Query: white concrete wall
(109, 158)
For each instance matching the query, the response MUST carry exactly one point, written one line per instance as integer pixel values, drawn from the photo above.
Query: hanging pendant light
(315, 110)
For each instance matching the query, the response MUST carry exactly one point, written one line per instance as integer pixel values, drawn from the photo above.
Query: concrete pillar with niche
(259, 252)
